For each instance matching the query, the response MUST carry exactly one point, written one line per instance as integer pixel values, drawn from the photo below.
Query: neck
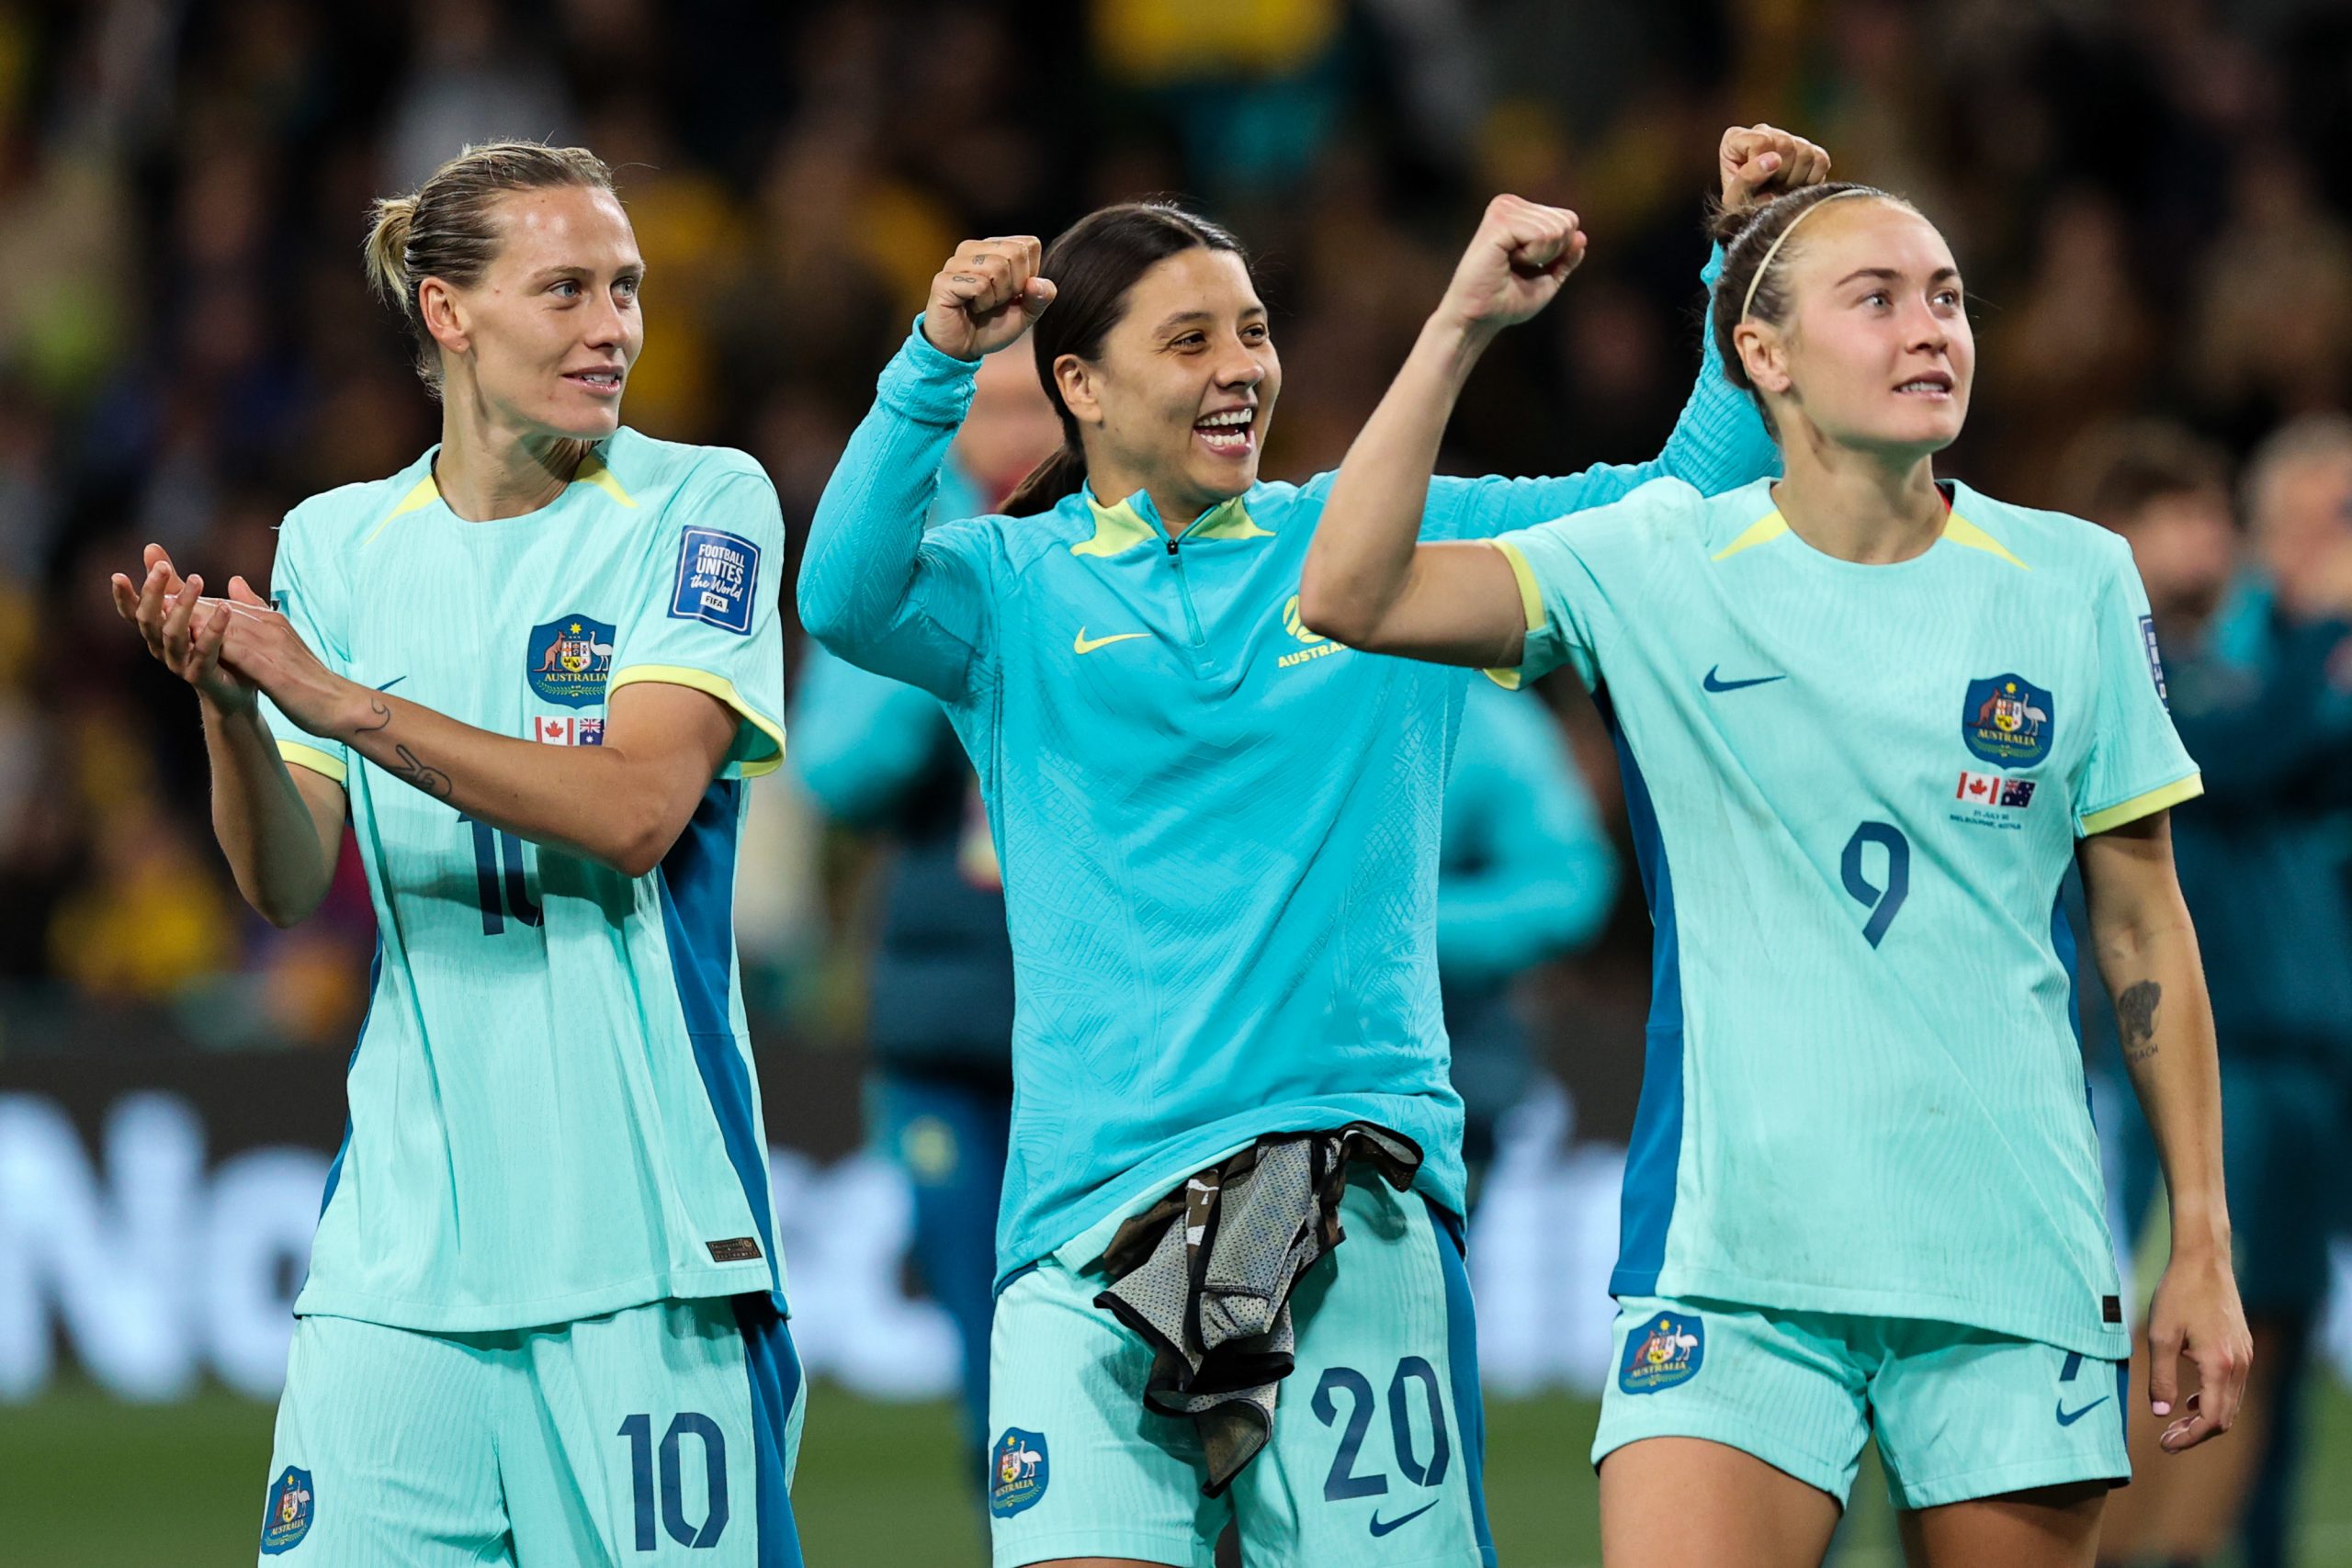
(1178, 507)
(1873, 508)
(488, 470)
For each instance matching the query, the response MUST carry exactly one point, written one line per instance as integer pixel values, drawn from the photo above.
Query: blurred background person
(1525, 875)
(882, 760)
(2257, 659)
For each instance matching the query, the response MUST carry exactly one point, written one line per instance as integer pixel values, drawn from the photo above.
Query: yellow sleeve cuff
(318, 762)
(1530, 606)
(724, 689)
(2145, 805)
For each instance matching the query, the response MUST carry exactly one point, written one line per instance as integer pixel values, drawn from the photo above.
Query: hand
(986, 297)
(182, 630)
(260, 646)
(2196, 1318)
(1516, 263)
(1760, 162)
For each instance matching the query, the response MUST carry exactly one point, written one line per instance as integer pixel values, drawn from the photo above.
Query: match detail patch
(718, 572)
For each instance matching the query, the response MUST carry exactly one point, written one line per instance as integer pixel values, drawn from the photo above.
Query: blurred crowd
(2149, 199)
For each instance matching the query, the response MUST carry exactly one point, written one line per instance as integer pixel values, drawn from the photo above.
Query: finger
(2163, 1369)
(176, 615)
(126, 597)
(1035, 295)
(2221, 1374)
(243, 592)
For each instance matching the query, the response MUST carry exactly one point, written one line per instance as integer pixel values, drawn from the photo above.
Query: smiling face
(1877, 353)
(1178, 399)
(547, 335)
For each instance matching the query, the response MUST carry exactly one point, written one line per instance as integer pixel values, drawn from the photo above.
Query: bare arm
(1368, 581)
(280, 828)
(662, 744)
(2147, 956)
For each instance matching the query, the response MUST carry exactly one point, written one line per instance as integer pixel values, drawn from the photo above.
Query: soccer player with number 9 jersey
(544, 1321)
(1866, 720)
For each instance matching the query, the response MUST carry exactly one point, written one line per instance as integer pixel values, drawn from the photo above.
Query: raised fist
(1760, 162)
(987, 296)
(1517, 261)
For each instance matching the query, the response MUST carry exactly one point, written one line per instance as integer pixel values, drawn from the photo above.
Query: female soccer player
(1218, 834)
(1864, 719)
(533, 669)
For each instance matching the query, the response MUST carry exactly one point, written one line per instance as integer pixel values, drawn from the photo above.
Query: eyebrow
(1889, 274)
(549, 274)
(1190, 318)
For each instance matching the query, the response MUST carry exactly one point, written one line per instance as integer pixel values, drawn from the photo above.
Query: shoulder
(2066, 552)
(325, 528)
(1662, 518)
(644, 470)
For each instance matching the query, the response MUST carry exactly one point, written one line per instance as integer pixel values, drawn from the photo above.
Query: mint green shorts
(1379, 1440)
(1959, 1412)
(664, 1433)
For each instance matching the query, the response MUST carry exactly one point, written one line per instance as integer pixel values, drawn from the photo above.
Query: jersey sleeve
(306, 588)
(2136, 764)
(1719, 443)
(705, 610)
(1574, 573)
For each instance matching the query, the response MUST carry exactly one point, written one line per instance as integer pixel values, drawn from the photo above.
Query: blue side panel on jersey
(698, 882)
(1462, 1371)
(1647, 1206)
(335, 1171)
(774, 1368)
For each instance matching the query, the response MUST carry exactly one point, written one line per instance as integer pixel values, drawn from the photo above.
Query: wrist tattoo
(383, 713)
(412, 769)
(2135, 1019)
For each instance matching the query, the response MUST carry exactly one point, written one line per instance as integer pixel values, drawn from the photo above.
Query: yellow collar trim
(424, 493)
(1958, 530)
(1121, 527)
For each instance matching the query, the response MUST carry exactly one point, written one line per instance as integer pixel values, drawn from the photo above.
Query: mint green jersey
(1855, 790)
(553, 1112)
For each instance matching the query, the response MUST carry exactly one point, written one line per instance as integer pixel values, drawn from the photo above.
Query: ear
(1763, 354)
(445, 316)
(1082, 392)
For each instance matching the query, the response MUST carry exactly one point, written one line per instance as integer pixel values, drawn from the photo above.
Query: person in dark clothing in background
(1525, 873)
(880, 757)
(2259, 674)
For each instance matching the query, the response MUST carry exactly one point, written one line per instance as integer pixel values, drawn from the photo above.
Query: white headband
(1765, 266)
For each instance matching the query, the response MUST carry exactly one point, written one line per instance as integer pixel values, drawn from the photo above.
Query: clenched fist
(1760, 162)
(1517, 261)
(987, 296)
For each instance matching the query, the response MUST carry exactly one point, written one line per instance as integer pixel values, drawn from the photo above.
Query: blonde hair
(443, 230)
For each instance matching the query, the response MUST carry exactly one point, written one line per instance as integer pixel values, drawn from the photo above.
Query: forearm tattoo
(436, 783)
(2135, 1020)
(412, 769)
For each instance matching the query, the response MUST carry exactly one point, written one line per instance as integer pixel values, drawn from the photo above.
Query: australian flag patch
(718, 572)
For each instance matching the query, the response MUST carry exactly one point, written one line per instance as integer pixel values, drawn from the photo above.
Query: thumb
(242, 591)
(1035, 295)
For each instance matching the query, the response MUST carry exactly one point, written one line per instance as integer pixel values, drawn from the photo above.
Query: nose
(1239, 368)
(1925, 329)
(604, 328)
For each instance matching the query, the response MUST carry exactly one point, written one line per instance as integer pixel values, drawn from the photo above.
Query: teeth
(1233, 416)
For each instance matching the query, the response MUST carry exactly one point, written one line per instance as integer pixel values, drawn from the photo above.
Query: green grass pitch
(93, 1484)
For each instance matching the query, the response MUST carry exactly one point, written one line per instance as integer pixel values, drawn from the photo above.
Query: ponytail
(1063, 473)
(387, 251)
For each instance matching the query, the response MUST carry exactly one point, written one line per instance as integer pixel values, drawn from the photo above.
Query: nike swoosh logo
(1088, 645)
(391, 683)
(2068, 1417)
(1379, 1528)
(1713, 683)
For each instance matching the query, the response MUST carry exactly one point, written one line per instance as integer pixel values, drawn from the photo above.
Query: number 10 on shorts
(638, 1430)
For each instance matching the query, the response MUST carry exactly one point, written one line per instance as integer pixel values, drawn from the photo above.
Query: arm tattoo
(2135, 1018)
(432, 781)
(383, 716)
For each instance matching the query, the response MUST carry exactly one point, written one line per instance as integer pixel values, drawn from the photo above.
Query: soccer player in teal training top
(544, 1318)
(1218, 834)
(1865, 720)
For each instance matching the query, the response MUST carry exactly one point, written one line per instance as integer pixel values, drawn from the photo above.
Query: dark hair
(2117, 469)
(1093, 264)
(1748, 236)
(444, 230)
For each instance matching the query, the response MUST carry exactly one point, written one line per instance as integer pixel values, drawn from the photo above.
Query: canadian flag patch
(555, 731)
